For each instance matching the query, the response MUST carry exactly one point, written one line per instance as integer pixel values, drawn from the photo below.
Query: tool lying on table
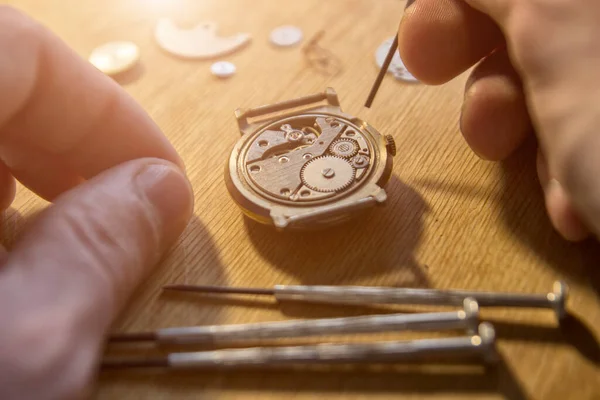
(467, 319)
(554, 300)
(480, 345)
(479, 340)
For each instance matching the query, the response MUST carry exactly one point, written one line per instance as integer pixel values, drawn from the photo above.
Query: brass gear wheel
(327, 174)
(346, 148)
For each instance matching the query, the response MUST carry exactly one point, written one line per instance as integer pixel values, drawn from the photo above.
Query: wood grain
(452, 220)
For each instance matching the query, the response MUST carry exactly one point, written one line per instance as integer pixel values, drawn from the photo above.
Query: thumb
(498, 10)
(66, 280)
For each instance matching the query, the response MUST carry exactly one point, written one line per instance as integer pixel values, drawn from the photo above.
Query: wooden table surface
(452, 220)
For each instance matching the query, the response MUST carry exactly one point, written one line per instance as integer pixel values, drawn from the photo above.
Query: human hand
(120, 199)
(540, 73)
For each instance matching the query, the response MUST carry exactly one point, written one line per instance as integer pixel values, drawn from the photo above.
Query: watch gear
(327, 174)
(345, 148)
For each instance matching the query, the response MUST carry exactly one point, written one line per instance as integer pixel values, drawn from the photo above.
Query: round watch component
(307, 169)
(286, 36)
(115, 57)
(360, 161)
(201, 41)
(223, 69)
(396, 68)
(327, 174)
(344, 148)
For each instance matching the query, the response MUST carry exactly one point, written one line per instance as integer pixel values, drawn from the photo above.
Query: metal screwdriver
(481, 345)
(353, 295)
(467, 318)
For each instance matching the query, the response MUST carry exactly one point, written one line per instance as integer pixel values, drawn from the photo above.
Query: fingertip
(494, 118)
(440, 39)
(411, 46)
(562, 214)
(491, 123)
(169, 191)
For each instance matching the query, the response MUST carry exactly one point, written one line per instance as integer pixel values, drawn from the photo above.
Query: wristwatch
(307, 168)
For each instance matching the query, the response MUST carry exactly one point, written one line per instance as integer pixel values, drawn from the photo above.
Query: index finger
(62, 120)
(440, 39)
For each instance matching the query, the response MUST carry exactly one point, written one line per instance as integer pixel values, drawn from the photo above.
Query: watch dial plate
(307, 159)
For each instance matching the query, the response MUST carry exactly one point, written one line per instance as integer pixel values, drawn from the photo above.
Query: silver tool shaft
(482, 345)
(375, 295)
(467, 319)
(555, 300)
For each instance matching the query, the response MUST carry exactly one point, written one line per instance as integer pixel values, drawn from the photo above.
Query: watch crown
(390, 144)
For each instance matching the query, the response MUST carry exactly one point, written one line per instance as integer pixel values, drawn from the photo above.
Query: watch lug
(240, 116)
(332, 98)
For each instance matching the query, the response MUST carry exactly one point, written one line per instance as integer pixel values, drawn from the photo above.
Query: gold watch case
(307, 169)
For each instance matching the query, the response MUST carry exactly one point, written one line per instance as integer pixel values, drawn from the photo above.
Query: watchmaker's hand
(543, 75)
(120, 199)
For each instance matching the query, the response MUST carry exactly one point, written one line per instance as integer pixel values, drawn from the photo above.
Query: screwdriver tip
(218, 289)
(157, 362)
(382, 71)
(132, 337)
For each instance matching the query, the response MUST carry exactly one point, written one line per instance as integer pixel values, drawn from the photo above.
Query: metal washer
(397, 68)
(286, 36)
(115, 57)
(223, 69)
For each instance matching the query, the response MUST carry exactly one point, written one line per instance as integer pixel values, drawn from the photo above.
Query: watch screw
(328, 173)
(359, 161)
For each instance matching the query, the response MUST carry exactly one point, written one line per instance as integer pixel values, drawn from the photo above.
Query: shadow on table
(590, 259)
(13, 224)
(438, 377)
(572, 331)
(524, 212)
(382, 241)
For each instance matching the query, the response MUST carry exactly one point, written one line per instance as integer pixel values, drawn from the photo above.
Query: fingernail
(171, 195)
(409, 3)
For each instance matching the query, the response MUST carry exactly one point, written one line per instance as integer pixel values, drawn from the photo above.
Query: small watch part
(390, 144)
(115, 57)
(306, 169)
(345, 148)
(319, 58)
(397, 68)
(286, 36)
(223, 69)
(327, 174)
(199, 42)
